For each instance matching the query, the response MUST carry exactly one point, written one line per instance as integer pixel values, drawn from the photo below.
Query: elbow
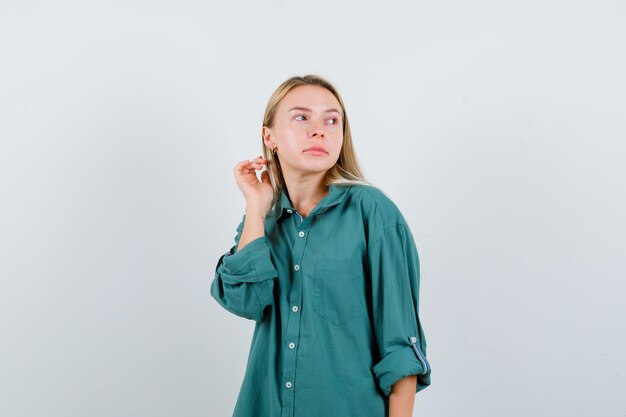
(243, 300)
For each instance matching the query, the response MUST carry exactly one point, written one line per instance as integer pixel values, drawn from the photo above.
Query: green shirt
(335, 297)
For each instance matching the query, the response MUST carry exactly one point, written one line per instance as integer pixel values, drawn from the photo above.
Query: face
(308, 117)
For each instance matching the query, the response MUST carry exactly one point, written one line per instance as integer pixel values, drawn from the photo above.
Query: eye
(335, 120)
(299, 115)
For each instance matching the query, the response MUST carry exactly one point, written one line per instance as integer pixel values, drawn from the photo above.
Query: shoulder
(376, 205)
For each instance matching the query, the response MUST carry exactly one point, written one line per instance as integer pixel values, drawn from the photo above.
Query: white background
(497, 127)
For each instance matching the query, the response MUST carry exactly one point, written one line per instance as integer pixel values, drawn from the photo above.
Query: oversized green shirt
(335, 297)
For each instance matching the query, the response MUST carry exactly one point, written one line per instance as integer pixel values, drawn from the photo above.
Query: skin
(402, 397)
(294, 131)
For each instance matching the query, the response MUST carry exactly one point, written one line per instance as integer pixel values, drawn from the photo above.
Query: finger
(244, 171)
(247, 167)
(265, 177)
(259, 159)
(254, 162)
(241, 164)
(244, 165)
(256, 165)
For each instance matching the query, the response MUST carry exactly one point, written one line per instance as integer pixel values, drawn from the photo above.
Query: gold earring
(273, 150)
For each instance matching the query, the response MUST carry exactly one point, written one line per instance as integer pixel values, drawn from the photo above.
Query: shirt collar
(336, 194)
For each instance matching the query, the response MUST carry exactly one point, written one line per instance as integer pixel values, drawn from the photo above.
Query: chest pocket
(338, 290)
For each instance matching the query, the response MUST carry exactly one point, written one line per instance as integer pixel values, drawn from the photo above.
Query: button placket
(294, 320)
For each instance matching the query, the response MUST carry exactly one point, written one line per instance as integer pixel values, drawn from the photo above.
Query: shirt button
(301, 234)
(292, 345)
(289, 211)
(288, 384)
(414, 339)
(294, 309)
(296, 267)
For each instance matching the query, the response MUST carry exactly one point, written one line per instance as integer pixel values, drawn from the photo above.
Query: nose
(317, 130)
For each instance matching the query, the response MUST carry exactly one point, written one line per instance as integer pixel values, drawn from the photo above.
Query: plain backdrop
(497, 127)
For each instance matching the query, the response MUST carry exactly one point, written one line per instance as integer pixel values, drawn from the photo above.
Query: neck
(305, 193)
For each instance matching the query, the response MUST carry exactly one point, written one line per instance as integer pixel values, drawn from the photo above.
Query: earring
(273, 150)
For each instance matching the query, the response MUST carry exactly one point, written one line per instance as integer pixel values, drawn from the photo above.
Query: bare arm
(258, 195)
(253, 227)
(402, 397)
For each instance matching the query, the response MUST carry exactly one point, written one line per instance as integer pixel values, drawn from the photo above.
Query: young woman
(326, 265)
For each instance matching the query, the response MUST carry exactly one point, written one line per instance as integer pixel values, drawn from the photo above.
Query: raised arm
(244, 276)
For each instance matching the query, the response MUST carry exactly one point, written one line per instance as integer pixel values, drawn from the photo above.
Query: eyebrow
(307, 109)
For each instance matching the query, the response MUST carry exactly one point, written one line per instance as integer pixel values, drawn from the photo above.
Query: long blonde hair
(345, 172)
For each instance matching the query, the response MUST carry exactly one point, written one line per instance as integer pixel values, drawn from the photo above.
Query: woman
(326, 265)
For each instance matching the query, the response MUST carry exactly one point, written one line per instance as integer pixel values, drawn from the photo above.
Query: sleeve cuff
(399, 364)
(251, 264)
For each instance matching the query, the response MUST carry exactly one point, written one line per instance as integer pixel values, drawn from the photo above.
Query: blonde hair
(345, 172)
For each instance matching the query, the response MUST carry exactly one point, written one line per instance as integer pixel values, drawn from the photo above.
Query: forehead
(312, 96)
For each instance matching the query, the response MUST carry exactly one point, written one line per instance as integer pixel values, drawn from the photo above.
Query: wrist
(255, 211)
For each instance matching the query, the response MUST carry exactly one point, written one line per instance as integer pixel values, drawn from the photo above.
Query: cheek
(294, 129)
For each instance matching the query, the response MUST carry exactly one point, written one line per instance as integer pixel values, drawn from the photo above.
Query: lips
(316, 149)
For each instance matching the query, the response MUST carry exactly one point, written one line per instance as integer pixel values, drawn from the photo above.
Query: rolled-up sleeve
(394, 268)
(244, 279)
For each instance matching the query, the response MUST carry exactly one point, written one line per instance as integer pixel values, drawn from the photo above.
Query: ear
(267, 137)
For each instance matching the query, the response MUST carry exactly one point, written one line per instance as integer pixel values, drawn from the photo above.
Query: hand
(258, 194)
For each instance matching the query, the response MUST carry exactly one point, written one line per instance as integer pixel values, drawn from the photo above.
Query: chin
(314, 168)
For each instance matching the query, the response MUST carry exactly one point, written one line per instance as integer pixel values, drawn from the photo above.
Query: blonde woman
(326, 265)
